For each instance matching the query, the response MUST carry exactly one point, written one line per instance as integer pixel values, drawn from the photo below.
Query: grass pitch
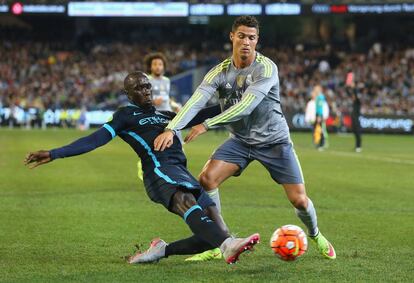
(72, 220)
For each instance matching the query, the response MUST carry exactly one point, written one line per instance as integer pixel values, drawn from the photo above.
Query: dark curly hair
(248, 21)
(148, 60)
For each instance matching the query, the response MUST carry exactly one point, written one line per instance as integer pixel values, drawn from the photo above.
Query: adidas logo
(228, 86)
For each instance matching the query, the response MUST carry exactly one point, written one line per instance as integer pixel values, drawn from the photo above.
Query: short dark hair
(248, 21)
(157, 55)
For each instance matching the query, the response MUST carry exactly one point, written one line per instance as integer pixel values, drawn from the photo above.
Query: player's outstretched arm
(80, 146)
(34, 159)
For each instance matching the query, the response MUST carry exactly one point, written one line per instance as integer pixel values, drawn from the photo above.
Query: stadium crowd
(47, 75)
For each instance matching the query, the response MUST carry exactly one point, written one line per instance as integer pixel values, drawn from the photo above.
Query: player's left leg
(140, 172)
(325, 134)
(304, 208)
(208, 234)
(356, 129)
(212, 252)
(306, 212)
(201, 250)
(159, 249)
(228, 160)
(284, 167)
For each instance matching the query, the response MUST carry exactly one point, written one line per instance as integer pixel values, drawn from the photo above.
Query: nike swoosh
(331, 250)
(135, 113)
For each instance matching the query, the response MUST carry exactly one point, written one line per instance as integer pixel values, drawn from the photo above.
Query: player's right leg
(230, 159)
(205, 230)
(306, 212)
(212, 252)
(284, 167)
(214, 173)
(209, 231)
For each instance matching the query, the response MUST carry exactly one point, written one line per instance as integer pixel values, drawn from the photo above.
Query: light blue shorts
(279, 159)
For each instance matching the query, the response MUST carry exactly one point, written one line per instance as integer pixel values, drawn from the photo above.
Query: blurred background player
(356, 110)
(356, 124)
(310, 113)
(248, 86)
(156, 64)
(167, 180)
(320, 133)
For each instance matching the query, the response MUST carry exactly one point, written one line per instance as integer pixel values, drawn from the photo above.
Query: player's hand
(195, 132)
(164, 140)
(34, 159)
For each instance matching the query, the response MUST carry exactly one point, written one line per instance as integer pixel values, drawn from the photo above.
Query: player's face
(244, 41)
(157, 67)
(140, 92)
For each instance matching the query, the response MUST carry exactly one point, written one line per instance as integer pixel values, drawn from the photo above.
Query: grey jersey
(249, 100)
(161, 88)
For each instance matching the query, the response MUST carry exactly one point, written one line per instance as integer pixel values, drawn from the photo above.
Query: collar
(130, 103)
(254, 60)
(151, 109)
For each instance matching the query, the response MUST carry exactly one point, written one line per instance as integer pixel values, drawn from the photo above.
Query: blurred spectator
(46, 75)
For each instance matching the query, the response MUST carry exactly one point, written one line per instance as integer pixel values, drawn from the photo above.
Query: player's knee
(189, 201)
(208, 181)
(300, 202)
(182, 201)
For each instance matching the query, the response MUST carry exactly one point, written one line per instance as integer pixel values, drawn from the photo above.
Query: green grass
(73, 220)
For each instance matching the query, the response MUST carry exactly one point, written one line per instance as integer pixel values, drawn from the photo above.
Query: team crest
(249, 79)
(240, 81)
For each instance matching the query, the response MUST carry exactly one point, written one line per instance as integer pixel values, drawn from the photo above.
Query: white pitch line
(361, 155)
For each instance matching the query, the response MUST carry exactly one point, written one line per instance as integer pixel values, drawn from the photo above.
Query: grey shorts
(280, 159)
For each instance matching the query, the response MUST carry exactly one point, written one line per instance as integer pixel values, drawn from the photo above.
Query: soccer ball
(289, 242)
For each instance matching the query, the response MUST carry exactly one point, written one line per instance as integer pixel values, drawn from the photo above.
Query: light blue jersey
(320, 104)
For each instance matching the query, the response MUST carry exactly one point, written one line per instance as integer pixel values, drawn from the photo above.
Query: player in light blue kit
(322, 113)
(248, 87)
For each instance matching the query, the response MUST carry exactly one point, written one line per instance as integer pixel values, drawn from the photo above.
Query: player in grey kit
(248, 88)
(156, 64)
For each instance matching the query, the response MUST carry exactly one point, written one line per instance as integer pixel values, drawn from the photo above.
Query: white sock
(215, 196)
(309, 218)
(223, 245)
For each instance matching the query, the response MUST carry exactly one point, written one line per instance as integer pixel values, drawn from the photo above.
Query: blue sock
(203, 227)
(189, 246)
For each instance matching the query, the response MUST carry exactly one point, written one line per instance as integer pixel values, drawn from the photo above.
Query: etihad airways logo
(153, 120)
